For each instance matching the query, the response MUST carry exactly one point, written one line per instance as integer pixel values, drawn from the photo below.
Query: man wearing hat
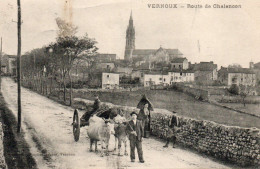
(172, 130)
(135, 131)
(84, 119)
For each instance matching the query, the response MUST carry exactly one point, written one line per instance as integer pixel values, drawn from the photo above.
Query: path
(48, 129)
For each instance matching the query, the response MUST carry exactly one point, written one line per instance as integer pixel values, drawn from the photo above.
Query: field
(175, 101)
(249, 108)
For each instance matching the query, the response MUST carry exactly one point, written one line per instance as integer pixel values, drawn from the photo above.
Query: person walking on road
(172, 130)
(135, 130)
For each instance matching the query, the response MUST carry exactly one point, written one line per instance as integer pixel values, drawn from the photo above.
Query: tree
(69, 48)
(244, 92)
(234, 89)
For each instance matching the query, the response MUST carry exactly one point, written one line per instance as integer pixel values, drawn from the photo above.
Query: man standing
(143, 116)
(172, 130)
(136, 133)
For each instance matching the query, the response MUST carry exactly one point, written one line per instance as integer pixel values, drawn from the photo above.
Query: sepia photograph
(127, 84)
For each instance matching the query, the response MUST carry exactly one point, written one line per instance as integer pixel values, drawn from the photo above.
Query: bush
(234, 89)
(77, 85)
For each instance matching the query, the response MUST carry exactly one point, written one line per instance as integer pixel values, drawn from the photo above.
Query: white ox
(100, 130)
(120, 133)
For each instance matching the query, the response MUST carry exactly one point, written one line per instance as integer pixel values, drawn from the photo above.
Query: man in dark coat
(172, 130)
(84, 119)
(143, 116)
(136, 133)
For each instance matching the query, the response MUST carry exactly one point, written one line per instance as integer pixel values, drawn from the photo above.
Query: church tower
(130, 39)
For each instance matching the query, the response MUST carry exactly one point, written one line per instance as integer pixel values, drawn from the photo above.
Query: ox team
(134, 128)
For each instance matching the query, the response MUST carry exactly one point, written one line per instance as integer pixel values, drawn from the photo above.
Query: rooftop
(178, 60)
(237, 70)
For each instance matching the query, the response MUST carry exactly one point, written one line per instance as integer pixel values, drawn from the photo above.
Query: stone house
(156, 78)
(9, 64)
(180, 63)
(140, 71)
(123, 68)
(205, 72)
(185, 76)
(103, 57)
(255, 67)
(238, 76)
(105, 65)
(110, 80)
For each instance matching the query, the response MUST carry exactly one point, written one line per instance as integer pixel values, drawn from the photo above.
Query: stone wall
(2, 158)
(229, 143)
(197, 93)
(234, 144)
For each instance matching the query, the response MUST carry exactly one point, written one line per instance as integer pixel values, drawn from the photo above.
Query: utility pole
(18, 66)
(1, 64)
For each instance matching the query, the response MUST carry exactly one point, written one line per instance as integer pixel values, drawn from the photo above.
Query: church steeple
(130, 39)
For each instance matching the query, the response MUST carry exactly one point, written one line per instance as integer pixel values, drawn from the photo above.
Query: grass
(175, 101)
(249, 108)
(16, 150)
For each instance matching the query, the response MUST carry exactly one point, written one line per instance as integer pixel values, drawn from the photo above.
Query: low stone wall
(197, 93)
(229, 143)
(234, 144)
(2, 158)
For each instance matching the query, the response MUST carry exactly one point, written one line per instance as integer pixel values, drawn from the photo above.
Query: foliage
(129, 80)
(217, 83)
(58, 58)
(234, 89)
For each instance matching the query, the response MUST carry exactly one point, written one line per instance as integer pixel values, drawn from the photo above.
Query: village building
(180, 63)
(104, 58)
(255, 67)
(122, 67)
(8, 64)
(238, 76)
(167, 78)
(110, 80)
(144, 55)
(184, 76)
(156, 78)
(205, 73)
(140, 71)
(105, 66)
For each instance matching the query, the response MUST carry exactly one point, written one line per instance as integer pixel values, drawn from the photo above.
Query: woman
(143, 116)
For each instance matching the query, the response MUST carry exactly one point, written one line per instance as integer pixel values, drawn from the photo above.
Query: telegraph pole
(18, 66)
(1, 64)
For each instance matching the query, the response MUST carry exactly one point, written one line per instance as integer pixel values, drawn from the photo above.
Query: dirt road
(48, 129)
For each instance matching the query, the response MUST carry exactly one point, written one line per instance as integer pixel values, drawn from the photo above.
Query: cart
(78, 123)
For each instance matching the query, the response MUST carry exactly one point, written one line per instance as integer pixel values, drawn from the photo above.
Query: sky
(224, 36)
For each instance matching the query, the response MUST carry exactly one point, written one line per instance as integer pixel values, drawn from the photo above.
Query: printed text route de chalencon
(193, 6)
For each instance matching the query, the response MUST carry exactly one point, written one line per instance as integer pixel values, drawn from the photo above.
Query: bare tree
(244, 92)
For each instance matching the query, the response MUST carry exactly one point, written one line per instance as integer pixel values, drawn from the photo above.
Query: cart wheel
(76, 125)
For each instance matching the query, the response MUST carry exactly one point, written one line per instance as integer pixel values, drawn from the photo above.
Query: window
(107, 76)
(142, 74)
(160, 78)
(164, 79)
